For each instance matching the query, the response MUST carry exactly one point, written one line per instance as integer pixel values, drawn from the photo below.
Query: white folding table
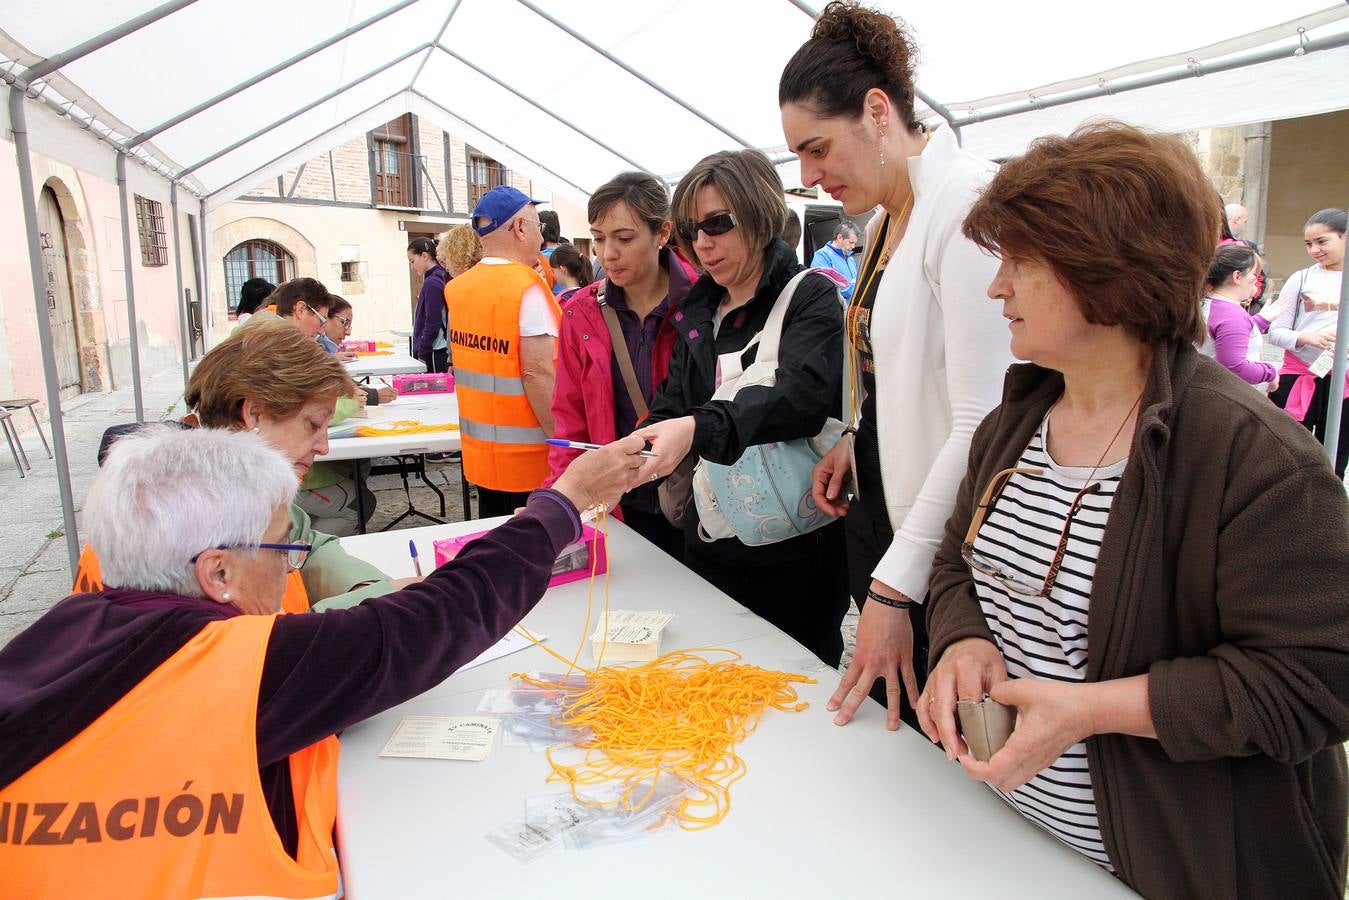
(395, 362)
(428, 409)
(823, 811)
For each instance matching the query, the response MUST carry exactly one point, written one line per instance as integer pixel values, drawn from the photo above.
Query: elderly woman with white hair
(172, 734)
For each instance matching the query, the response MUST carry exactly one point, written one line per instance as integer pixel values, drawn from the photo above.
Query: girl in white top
(1309, 311)
(927, 352)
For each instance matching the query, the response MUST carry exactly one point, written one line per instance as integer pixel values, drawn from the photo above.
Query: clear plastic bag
(546, 820)
(539, 733)
(531, 702)
(653, 811)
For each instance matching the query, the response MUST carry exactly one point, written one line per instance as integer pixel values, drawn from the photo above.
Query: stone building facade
(345, 217)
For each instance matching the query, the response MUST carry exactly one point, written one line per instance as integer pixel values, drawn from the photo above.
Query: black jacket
(809, 375)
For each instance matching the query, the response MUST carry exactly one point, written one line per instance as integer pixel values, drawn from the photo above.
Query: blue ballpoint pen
(581, 445)
(416, 563)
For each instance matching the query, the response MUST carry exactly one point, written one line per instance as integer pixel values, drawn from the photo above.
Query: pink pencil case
(425, 383)
(358, 346)
(573, 563)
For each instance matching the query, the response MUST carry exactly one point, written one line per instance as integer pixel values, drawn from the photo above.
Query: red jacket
(583, 395)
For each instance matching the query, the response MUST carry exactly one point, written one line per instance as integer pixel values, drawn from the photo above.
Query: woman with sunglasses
(1180, 680)
(174, 736)
(729, 211)
(645, 284)
(927, 351)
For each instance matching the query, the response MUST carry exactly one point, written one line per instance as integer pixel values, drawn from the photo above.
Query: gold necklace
(898, 223)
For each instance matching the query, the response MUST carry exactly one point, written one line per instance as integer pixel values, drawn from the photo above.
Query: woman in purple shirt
(1234, 334)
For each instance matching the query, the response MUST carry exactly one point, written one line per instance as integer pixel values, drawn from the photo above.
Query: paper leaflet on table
(442, 737)
(511, 643)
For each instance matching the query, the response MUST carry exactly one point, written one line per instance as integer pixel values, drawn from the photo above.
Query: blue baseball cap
(497, 206)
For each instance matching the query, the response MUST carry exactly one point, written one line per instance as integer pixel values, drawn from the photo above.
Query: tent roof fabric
(572, 93)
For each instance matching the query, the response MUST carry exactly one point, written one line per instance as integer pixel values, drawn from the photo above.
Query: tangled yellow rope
(681, 713)
(403, 426)
(374, 352)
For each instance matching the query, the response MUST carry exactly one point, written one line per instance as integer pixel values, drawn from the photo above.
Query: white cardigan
(942, 350)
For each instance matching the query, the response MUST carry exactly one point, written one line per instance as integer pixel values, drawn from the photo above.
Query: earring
(882, 146)
(225, 595)
(255, 429)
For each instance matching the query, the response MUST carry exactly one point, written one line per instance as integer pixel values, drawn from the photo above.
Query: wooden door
(60, 299)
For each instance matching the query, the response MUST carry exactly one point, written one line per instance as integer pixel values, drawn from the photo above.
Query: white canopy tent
(218, 96)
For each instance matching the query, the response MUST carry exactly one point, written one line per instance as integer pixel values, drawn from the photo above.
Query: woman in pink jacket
(645, 282)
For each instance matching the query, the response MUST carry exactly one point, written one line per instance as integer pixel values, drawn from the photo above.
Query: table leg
(463, 486)
(6, 425)
(360, 495)
(38, 428)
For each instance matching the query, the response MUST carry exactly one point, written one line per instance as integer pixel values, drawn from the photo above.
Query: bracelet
(889, 601)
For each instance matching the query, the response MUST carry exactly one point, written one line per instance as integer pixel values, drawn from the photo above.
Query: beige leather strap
(624, 360)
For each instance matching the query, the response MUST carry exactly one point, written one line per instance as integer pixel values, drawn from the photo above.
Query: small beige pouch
(985, 725)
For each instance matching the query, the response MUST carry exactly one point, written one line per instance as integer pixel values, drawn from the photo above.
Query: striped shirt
(1047, 638)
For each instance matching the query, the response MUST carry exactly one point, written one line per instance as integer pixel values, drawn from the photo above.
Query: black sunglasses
(712, 225)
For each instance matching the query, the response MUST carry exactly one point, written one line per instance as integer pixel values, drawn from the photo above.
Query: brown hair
(1125, 218)
(752, 189)
(273, 363)
(461, 249)
(309, 291)
(851, 50)
(644, 194)
(338, 306)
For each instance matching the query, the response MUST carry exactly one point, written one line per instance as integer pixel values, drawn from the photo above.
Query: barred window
(150, 225)
(255, 259)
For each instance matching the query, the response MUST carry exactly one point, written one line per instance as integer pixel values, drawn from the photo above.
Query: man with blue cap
(503, 336)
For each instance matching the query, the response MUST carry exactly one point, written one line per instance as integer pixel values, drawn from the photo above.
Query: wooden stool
(21, 404)
(12, 436)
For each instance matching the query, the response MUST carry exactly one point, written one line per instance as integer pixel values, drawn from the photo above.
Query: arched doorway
(60, 299)
(255, 259)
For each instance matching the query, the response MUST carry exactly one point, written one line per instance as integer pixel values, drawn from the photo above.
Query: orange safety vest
(89, 578)
(502, 442)
(160, 795)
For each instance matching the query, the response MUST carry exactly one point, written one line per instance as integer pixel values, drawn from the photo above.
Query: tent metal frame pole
(268, 73)
(19, 125)
(439, 36)
(99, 41)
(184, 327)
(543, 109)
(940, 109)
(276, 159)
(131, 318)
(206, 309)
(1335, 407)
(492, 137)
(1196, 70)
(563, 26)
(336, 92)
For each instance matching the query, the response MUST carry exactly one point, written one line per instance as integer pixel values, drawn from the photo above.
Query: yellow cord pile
(383, 345)
(374, 352)
(682, 713)
(403, 426)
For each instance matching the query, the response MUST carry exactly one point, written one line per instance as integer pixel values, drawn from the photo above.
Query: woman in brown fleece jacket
(1157, 584)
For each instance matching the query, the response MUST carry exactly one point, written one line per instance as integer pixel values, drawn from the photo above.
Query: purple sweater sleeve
(325, 672)
(1230, 326)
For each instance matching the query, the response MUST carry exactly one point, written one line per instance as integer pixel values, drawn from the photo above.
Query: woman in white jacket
(927, 351)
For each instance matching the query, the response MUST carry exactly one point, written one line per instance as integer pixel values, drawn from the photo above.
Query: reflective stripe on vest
(500, 434)
(504, 385)
(160, 797)
(89, 578)
(503, 444)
